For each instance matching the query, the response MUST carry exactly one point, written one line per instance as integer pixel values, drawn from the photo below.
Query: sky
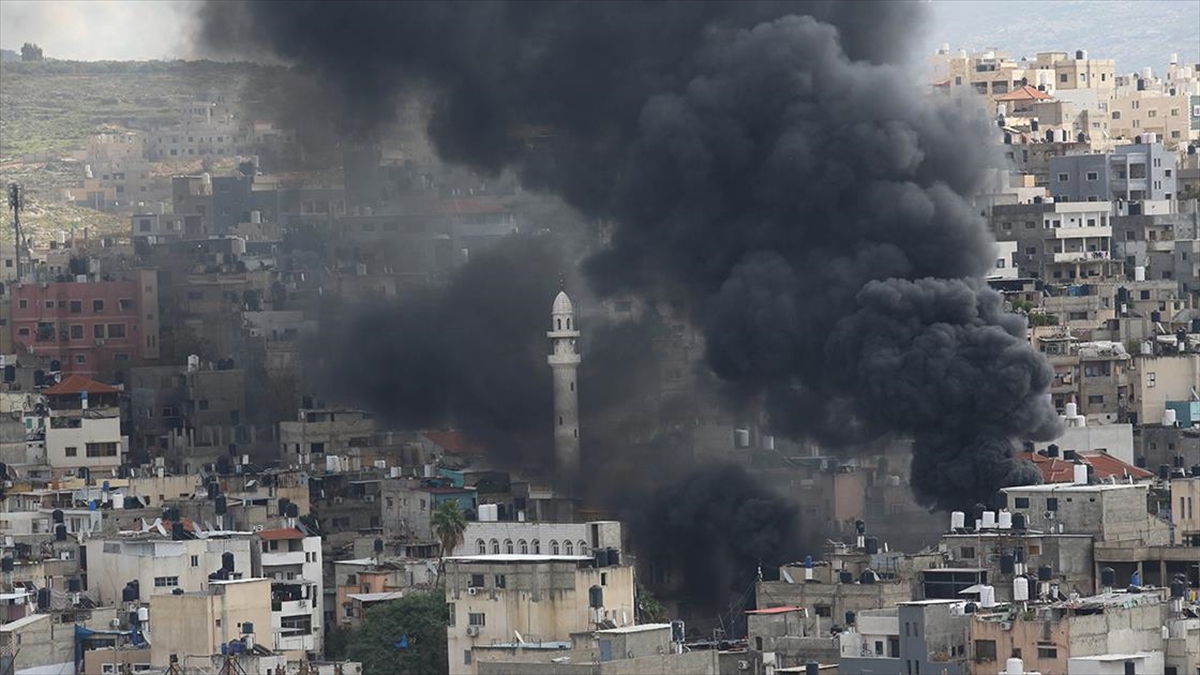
(161, 29)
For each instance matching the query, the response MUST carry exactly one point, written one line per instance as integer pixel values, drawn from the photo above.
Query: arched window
(496, 546)
(537, 547)
(524, 547)
(553, 547)
(559, 324)
(568, 323)
(568, 548)
(508, 546)
(583, 547)
(481, 546)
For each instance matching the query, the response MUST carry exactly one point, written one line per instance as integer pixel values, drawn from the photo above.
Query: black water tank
(133, 619)
(1033, 125)
(1045, 573)
(1195, 470)
(1006, 563)
(1130, 668)
(1052, 450)
(1019, 555)
(57, 516)
(1018, 521)
(614, 557)
(73, 585)
(867, 577)
(970, 608)
(595, 597)
(1108, 577)
(83, 557)
(283, 506)
(1178, 461)
(812, 668)
(227, 562)
(6, 564)
(1164, 471)
(378, 546)
(177, 531)
(247, 628)
(1068, 455)
(677, 631)
(1140, 461)
(221, 506)
(60, 532)
(214, 489)
(127, 594)
(860, 527)
(43, 598)
(293, 510)
(846, 577)
(1177, 589)
(601, 556)
(872, 545)
(177, 591)
(850, 618)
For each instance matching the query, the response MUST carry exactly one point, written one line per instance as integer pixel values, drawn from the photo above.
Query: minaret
(564, 362)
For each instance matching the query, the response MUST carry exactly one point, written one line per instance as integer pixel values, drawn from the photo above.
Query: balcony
(289, 607)
(1080, 256)
(275, 559)
(1094, 232)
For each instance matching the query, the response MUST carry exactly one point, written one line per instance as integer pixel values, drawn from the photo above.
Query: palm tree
(449, 523)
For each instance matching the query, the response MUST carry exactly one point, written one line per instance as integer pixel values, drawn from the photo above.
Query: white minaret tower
(564, 362)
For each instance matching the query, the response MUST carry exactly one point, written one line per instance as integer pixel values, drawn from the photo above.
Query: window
(165, 582)
(450, 610)
(476, 581)
(569, 548)
(125, 304)
(1021, 503)
(1062, 78)
(1047, 653)
(476, 619)
(1095, 399)
(97, 305)
(120, 357)
(524, 546)
(80, 358)
(553, 547)
(824, 610)
(203, 404)
(98, 331)
(968, 552)
(101, 449)
(71, 451)
(1064, 178)
(1151, 379)
(23, 332)
(501, 581)
(77, 332)
(495, 546)
(508, 546)
(195, 561)
(1152, 113)
(1116, 114)
(23, 303)
(466, 657)
(537, 547)
(1052, 503)
(985, 650)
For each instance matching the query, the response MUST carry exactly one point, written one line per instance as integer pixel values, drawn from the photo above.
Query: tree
(449, 523)
(403, 636)
(31, 52)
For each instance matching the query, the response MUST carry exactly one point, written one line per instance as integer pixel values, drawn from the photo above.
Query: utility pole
(16, 202)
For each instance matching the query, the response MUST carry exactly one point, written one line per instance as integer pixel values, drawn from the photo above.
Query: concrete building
(84, 427)
(318, 432)
(1131, 173)
(1185, 497)
(931, 636)
(564, 363)
(536, 537)
(161, 565)
(543, 598)
(1162, 378)
(292, 561)
(89, 327)
(1113, 513)
(199, 622)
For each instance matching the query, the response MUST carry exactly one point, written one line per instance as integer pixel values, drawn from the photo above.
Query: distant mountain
(1135, 33)
(9, 55)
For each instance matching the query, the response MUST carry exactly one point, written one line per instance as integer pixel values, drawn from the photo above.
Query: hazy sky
(158, 29)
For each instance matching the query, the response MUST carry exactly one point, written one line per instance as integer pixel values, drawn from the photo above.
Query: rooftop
(22, 622)
(518, 558)
(376, 597)
(281, 534)
(1055, 470)
(76, 384)
(453, 442)
(775, 610)
(635, 629)
(1070, 487)
(1025, 93)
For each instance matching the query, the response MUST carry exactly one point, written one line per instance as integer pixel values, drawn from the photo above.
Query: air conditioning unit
(472, 631)
(115, 623)
(369, 499)
(472, 590)
(743, 665)
(99, 342)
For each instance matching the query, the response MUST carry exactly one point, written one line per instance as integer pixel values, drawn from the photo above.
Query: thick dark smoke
(760, 157)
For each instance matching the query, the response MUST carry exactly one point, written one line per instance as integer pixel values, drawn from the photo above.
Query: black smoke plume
(761, 157)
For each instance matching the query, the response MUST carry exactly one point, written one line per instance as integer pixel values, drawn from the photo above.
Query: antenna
(16, 202)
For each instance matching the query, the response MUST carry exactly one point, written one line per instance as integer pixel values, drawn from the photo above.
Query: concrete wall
(1185, 508)
(692, 663)
(1158, 379)
(198, 623)
(112, 564)
(91, 430)
(516, 533)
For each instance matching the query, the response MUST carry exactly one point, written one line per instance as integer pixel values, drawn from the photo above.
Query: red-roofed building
(1104, 467)
(450, 443)
(84, 427)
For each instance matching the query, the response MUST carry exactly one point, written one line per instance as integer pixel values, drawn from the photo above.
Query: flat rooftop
(519, 558)
(634, 629)
(1071, 487)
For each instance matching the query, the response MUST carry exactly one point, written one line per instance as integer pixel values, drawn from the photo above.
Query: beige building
(1106, 511)
(1185, 498)
(1158, 379)
(199, 623)
(1156, 112)
(161, 565)
(531, 599)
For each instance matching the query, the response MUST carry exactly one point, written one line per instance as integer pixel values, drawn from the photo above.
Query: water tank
(987, 597)
(1019, 555)
(43, 599)
(60, 532)
(1004, 520)
(143, 614)
(850, 618)
(1080, 55)
(1194, 471)
(1020, 589)
(74, 585)
(677, 631)
(1081, 474)
(1014, 666)
(970, 608)
(860, 527)
(283, 503)
(1108, 577)
(1164, 471)
(1169, 417)
(227, 562)
(614, 557)
(1052, 451)
(872, 545)
(867, 577)
(989, 520)
(177, 531)
(1018, 521)
(845, 577)
(118, 500)
(1178, 461)
(1177, 589)
(247, 628)
(221, 506)
(57, 516)
(293, 510)
(1069, 455)
(812, 668)
(6, 564)
(378, 546)
(1006, 563)
(601, 555)
(958, 520)
(741, 438)
(595, 597)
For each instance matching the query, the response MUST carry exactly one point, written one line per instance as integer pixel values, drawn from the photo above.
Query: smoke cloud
(768, 160)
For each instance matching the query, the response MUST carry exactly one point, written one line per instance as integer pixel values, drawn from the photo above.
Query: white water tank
(256, 217)
(118, 501)
(768, 442)
(1150, 138)
(1169, 418)
(958, 520)
(741, 438)
(1014, 666)
(989, 520)
(987, 596)
(1081, 474)
(1139, 273)
(143, 614)
(1072, 410)
(1020, 589)
(1004, 520)
(193, 363)
(1147, 73)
